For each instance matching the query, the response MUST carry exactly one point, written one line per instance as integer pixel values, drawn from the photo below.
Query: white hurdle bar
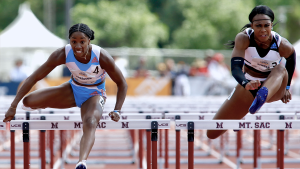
(209, 116)
(171, 116)
(77, 125)
(240, 124)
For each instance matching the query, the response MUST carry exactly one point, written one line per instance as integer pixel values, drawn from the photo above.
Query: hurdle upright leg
(26, 149)
(177, 149)
(256, 144)
(148, 135)
(239, 143)
(177, 158)
(141, 149)
(191, 145)
(51, 145)
(280, 149)
(154, 130)
(166, 148)
(12, 149)
(280, 146)
(43, 146)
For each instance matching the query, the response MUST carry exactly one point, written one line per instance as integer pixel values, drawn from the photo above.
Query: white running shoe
(81, 165)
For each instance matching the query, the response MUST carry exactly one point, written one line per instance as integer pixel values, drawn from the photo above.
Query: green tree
(210, 24)
(170, 13)
(293, 23)
(8, 12)
(121, 23)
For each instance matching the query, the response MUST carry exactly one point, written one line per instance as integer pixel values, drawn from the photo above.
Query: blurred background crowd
(170, 47)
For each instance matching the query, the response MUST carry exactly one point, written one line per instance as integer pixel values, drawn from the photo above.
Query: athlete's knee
(90, 122)
(280, 69)
(211, 134)
(28, 101)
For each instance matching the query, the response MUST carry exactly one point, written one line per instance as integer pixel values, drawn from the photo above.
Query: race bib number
(263, 65)
(102, 102)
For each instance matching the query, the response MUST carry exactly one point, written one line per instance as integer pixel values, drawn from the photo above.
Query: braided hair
(81, 27)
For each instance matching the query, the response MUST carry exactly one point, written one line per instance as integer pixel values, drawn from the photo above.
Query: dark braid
(81, 27)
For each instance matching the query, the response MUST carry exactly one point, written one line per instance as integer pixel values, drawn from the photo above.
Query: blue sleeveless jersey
(88, 74)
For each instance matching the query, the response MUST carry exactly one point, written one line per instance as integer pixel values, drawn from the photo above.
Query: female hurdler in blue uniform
(255, 64)
(88, 64)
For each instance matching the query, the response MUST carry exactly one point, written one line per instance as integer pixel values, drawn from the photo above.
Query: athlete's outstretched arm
(287, 51)
(108, 63)
(237, 62)
(55, 59)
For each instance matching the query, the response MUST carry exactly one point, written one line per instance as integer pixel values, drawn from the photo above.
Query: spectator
(141, 70)
(171, 69)
(162, 69)
(19, 72)
(209, 53)
(182, 84)
(220, 76)
(171, 72)
(198, 68)
(217, 68)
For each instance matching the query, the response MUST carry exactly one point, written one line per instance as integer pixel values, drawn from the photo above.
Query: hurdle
(76, 117)
(158, 110)
(189, 116)
(77, 125)
(257, 116)
(237, 125)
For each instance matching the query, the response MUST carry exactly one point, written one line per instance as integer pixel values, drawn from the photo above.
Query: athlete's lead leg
(234, 108)
(91, 112)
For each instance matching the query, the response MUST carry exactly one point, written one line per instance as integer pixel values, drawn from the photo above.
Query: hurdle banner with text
(77, 125)
(240, 124)
(136, 86)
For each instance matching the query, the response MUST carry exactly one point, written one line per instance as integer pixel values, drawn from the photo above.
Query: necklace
(86, 54)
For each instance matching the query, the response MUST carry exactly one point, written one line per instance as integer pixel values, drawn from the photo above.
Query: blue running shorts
(83, 93)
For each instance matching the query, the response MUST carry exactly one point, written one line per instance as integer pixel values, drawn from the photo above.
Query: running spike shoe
(259, 100)
(81, 165)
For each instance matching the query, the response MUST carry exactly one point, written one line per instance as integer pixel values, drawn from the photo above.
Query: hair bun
(92, 35)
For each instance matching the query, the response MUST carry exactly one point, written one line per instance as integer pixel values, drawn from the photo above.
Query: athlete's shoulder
(242, 40)
(58, 56)
(96, 49)
(285, 48)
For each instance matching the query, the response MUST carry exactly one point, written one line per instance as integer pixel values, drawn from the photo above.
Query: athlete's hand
(115, 116)
(252, 85)
(9, 115)
(286, 97)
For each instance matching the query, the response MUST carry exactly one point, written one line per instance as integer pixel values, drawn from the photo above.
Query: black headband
(262, 19)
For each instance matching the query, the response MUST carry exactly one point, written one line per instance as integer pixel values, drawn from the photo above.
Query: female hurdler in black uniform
(255, 64)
